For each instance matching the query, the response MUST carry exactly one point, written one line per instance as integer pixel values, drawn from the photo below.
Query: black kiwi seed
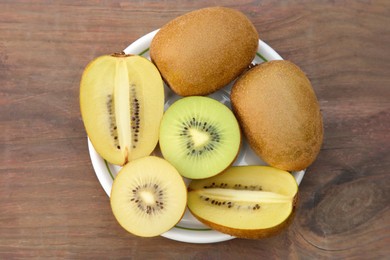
(221, 185)
(111, 114)
(201, 126)
(228, 204)
(134, 114)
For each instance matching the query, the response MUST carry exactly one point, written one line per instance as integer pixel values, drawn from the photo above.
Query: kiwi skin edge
(256, 233)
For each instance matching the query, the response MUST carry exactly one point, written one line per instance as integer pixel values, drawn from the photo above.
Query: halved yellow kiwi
(122, 103)
(245, 201)
(148, 196)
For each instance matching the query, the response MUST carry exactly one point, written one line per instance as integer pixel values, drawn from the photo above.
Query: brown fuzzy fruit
(202, 51)
(279, 114)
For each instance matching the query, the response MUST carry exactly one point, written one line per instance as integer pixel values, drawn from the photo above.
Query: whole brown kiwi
(279, 114)
(204, 50)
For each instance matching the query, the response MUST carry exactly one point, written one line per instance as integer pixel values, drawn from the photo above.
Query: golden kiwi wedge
(245, 201)
(122, 103)
(148, 196)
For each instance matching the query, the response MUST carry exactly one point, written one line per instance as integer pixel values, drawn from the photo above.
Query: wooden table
(52, 204)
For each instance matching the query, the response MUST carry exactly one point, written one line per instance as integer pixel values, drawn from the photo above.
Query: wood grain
(51, 203)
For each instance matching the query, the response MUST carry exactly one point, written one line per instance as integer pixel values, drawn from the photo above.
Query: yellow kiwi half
(122, 103)
(148, 196)
(245, 201)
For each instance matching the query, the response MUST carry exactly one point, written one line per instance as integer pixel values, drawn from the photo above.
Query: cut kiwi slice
(122, 102)
(199, 136)
(148, 196)
(245, 201)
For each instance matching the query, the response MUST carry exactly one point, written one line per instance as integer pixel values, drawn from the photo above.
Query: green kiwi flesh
(199, 136)
(148, 196)
(245, 201)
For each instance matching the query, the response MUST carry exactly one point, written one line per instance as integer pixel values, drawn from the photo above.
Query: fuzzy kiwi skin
(204, 50)
(255, 233)
(279, 114)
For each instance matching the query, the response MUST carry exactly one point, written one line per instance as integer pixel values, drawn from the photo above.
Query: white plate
(188, 229)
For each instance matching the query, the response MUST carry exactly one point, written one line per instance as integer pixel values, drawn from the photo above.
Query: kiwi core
(240, 196)
(199, 138)
(122, 113)
(147, 197)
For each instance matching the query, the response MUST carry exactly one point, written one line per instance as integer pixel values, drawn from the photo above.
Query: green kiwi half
(199, 136)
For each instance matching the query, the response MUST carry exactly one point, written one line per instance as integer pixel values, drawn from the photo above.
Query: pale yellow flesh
(122, 105)
(199, 138)
(244, 195)
(268, 216)
(111, 84)
(153, 170)
(266, 202)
